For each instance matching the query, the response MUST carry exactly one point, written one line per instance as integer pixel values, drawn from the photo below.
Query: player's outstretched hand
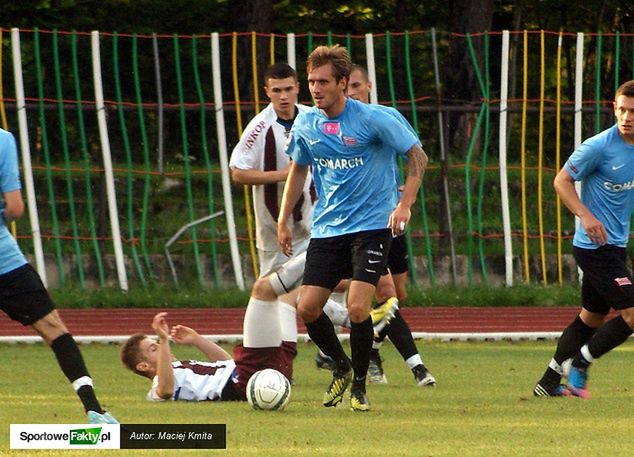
(159, 325)
(182, 334)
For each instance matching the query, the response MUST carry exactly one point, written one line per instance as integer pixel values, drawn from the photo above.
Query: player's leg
(318, 283)
(401, 336)
(26, 300)
(70, 360)
(360, 296)
(337, 311)
(369, 260)
(606, 270)
(574, 336)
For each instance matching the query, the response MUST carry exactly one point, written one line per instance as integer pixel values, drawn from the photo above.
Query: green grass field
(482, 406)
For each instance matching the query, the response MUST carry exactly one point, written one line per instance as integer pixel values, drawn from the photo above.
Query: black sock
(401, 336)
(361, 345)
(571, 340)
(573, 337)
(607, 337)
(72, 364)
(322, 332)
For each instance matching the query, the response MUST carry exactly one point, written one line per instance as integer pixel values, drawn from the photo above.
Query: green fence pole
(208, 164)
(128, 154)
(86, 159)
(482, 114)
(67, 165)
(412, 96)
(186, 164)
(483, 163)
(47, 158)
(147, 182)
(597, 87)
(390, 82)
(617, 60)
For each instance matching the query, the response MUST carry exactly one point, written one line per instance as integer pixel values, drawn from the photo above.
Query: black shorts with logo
(607, 281)
(361, 256)
(23, 295)
(398, 257)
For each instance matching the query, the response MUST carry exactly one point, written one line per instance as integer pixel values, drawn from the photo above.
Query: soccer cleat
(324, 362)
(382, 315)
(359, 401)
(340, 382)
(544, 390)
(578, 382)
(423, 377)
(104, 418)
(375, 371)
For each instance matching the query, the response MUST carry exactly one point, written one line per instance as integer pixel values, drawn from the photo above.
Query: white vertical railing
(504, 188)
(26, 156)
(107, 162)
(224, 162)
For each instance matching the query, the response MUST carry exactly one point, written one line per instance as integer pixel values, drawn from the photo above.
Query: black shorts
(23, 296)
(397, 260)
(607, 281)
(361, 256)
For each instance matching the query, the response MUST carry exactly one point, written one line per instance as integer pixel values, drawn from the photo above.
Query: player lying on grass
(270, 341)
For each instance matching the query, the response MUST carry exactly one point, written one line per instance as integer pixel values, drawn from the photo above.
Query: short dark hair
(131, 353)
(362, 70)
(279, 71)
(627, 89)
(335, 55)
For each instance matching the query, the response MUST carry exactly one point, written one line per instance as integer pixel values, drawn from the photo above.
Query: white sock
(414, 361)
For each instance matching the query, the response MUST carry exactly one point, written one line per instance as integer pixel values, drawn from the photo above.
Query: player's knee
(628, 316)
(383, 293)
(358, 312)
(308, 312)
(262, 290)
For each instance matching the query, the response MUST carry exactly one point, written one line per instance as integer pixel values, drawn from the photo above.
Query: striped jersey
(261, 147)
(197, 381)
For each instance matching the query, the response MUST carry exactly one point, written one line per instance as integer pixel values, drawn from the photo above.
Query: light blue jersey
(354, 170)
(605, 163)
(11, 256)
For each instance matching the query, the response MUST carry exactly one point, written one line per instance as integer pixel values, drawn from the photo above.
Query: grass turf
(482, 406)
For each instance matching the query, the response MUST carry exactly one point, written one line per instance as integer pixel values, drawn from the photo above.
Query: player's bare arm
(164, 370)
(415, 169)
(13, 205)
(564, 185)
(257, 177)
(292, 191)
(181, 334)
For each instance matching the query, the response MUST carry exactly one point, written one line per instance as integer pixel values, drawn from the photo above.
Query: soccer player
(259, 160)
(605, 164)
(350, 147)
(23, 295)
(391, 285)
(270, 341)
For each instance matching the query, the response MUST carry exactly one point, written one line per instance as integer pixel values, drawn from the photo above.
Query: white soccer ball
(268, 389)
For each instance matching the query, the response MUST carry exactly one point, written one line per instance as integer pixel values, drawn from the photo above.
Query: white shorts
(271, 261)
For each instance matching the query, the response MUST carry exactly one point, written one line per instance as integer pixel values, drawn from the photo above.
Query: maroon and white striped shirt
(197, 381)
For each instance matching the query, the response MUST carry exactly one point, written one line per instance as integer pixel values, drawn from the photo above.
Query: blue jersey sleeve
(585, 159)
(9, 170)
(394, 131)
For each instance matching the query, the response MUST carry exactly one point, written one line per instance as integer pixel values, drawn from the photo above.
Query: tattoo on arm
(417, 161)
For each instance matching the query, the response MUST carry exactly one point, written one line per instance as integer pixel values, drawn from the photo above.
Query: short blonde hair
(335, 55)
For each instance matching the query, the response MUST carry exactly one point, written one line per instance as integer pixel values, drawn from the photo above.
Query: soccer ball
(268, 389)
